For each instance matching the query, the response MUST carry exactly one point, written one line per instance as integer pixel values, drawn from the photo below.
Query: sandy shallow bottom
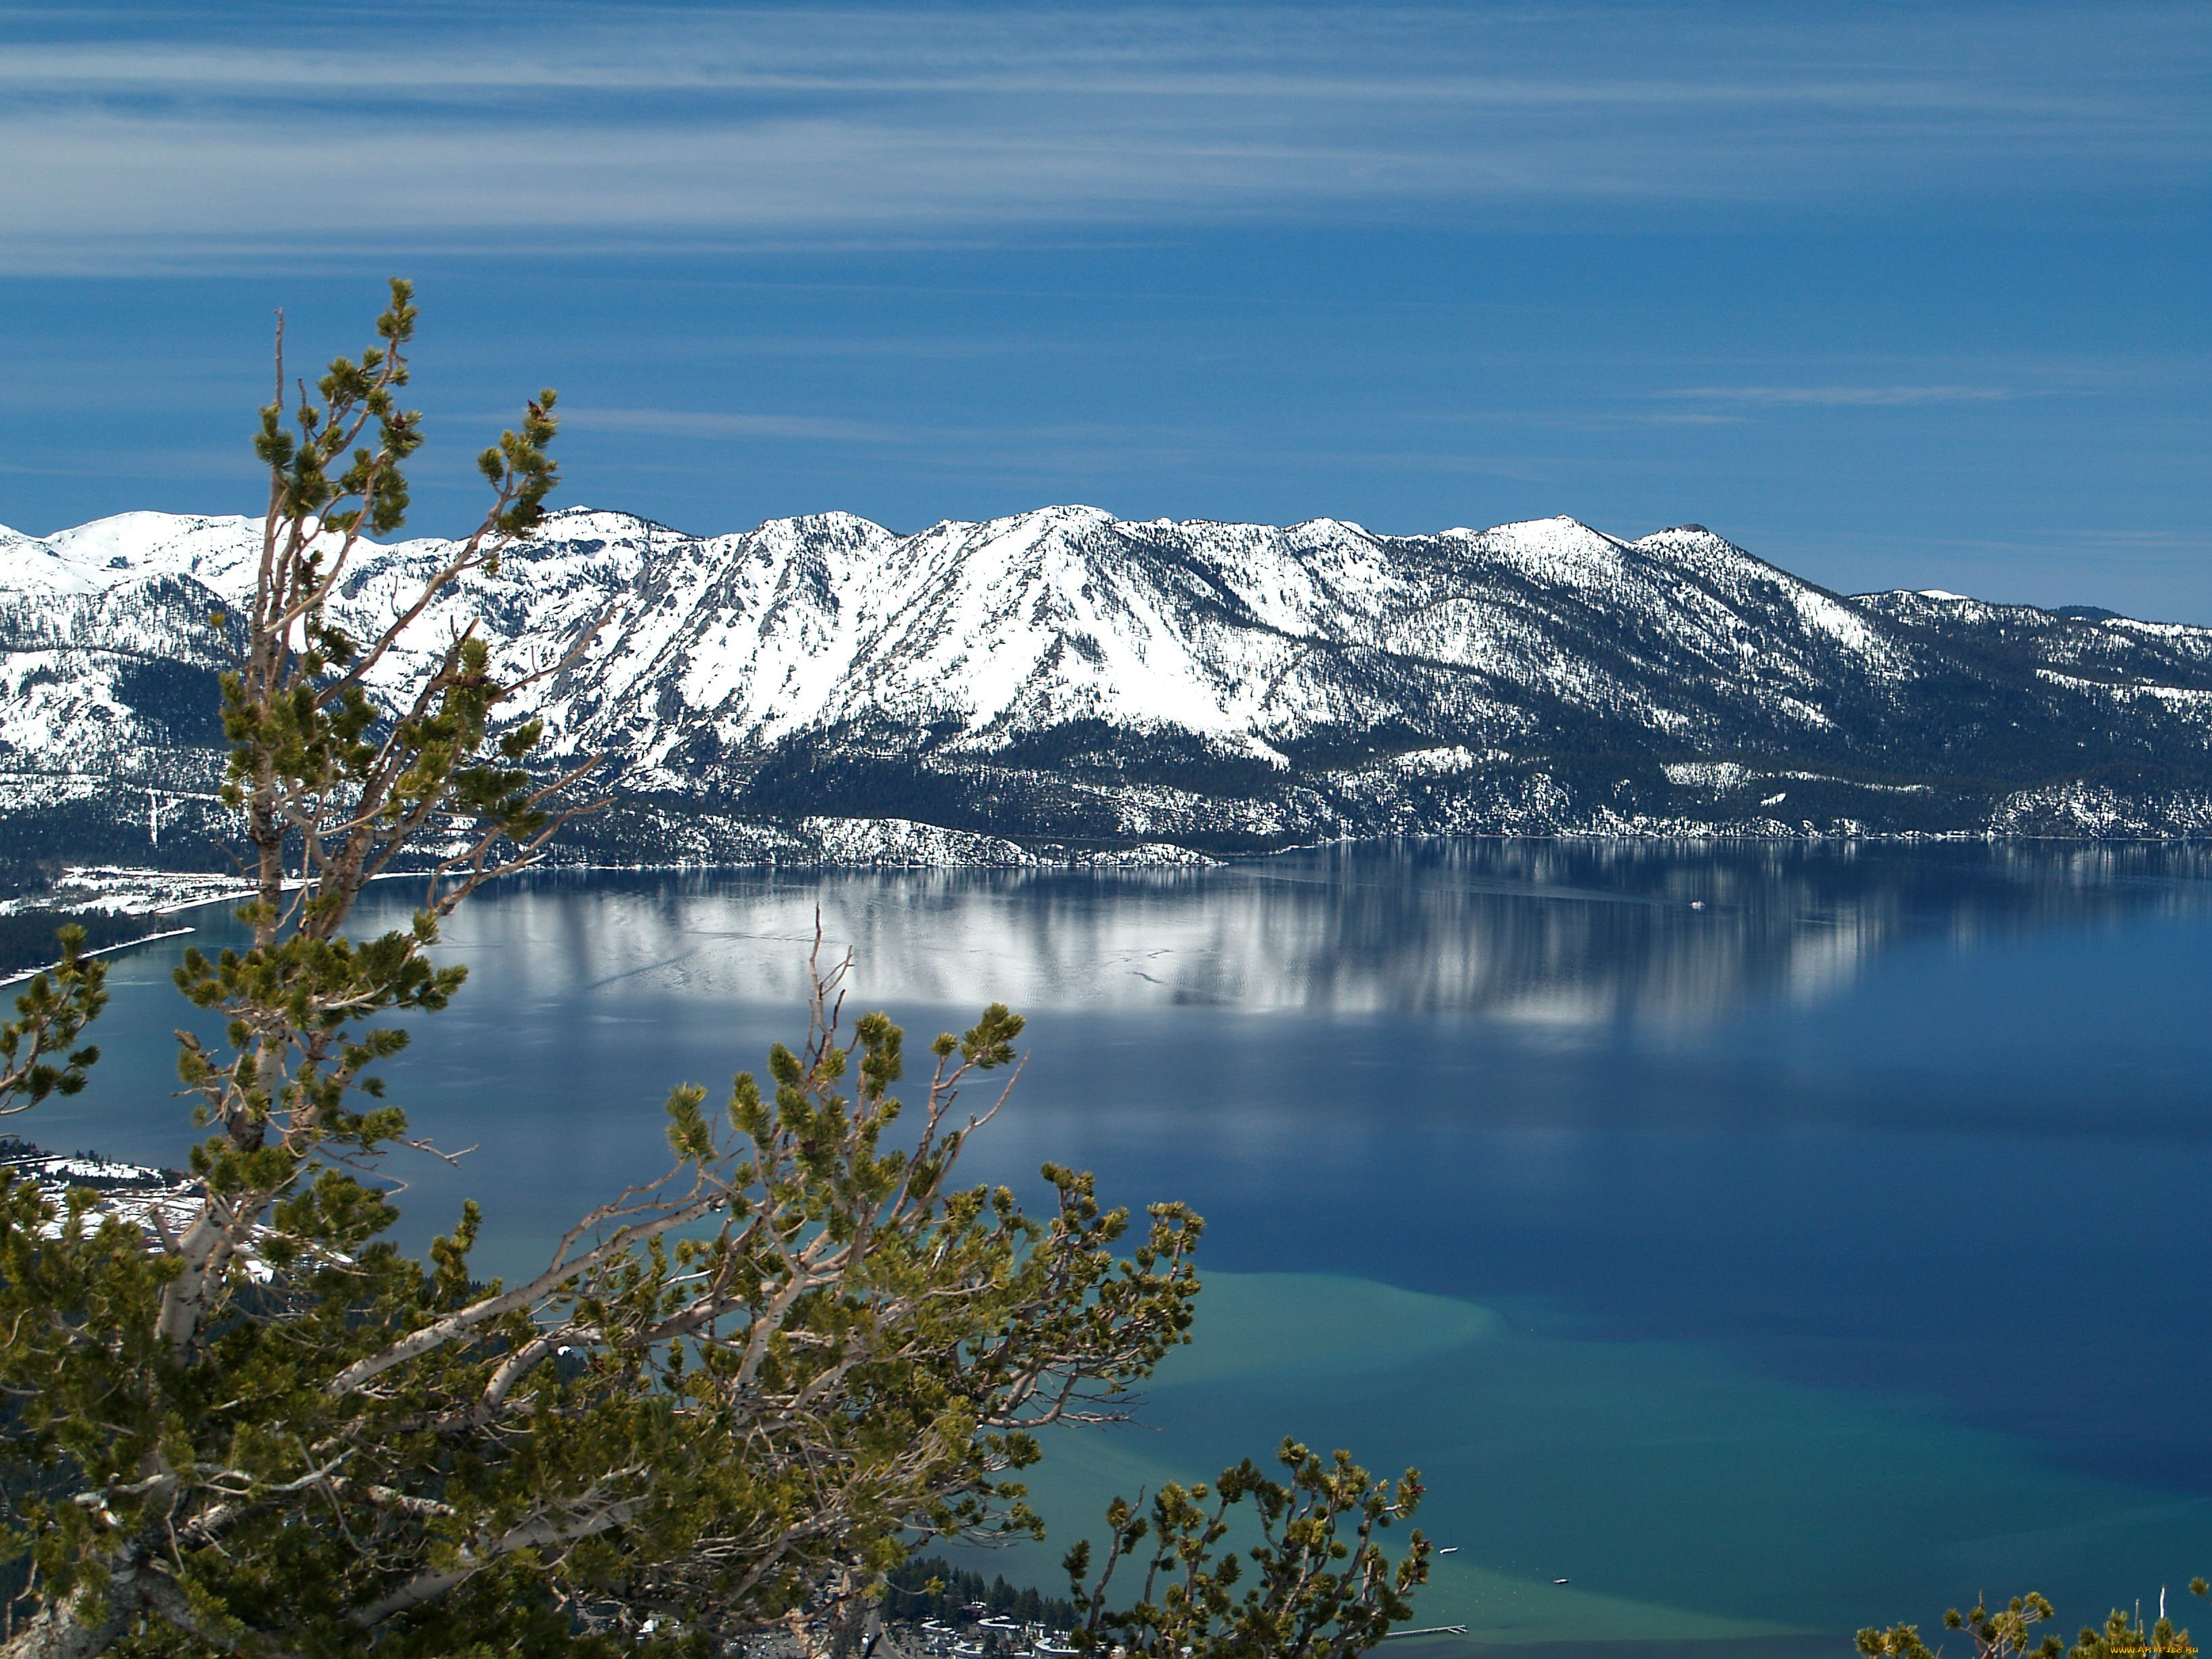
(1692, 1505)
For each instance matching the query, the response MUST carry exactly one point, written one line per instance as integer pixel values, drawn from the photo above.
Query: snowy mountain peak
(1686, 536)
(1062, 671)
(91, 558)
(1325, 528)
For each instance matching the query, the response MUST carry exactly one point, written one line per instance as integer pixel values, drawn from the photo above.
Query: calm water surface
(1768, 1240)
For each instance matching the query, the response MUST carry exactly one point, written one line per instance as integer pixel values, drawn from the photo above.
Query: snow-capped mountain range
(1068, 683)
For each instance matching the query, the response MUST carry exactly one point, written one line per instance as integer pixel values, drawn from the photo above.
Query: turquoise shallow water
(1682, 1496)
(1769, 1241)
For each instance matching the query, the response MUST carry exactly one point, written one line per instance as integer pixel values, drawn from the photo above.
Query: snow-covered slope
(1065, 674)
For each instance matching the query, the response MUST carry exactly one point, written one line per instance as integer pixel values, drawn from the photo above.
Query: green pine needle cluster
(2008, 1632)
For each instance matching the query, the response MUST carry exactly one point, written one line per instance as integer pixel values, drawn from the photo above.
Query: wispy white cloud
(145, 140)
(1839, 396)
(724, 424)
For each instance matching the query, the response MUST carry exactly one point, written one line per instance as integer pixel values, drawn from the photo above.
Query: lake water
(1768, 1240)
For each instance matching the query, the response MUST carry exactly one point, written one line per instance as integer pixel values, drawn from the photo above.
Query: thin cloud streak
(2069, 61)
(723, 423)
(685, 129)
(277, 76)
(1017, 446)
(1841, 397)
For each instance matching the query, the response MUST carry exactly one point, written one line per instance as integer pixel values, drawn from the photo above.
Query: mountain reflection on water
(1841, 1212)
(1546, 932)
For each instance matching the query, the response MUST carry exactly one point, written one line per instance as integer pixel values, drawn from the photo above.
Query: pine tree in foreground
(739, 1395)
(2008, 1632)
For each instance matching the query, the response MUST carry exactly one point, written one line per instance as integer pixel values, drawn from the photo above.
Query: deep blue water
(1813, 1237)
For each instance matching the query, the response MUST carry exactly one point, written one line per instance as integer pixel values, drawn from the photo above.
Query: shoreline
(21, 975)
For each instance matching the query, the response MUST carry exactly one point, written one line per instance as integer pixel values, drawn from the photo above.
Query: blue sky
(1910, 295)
